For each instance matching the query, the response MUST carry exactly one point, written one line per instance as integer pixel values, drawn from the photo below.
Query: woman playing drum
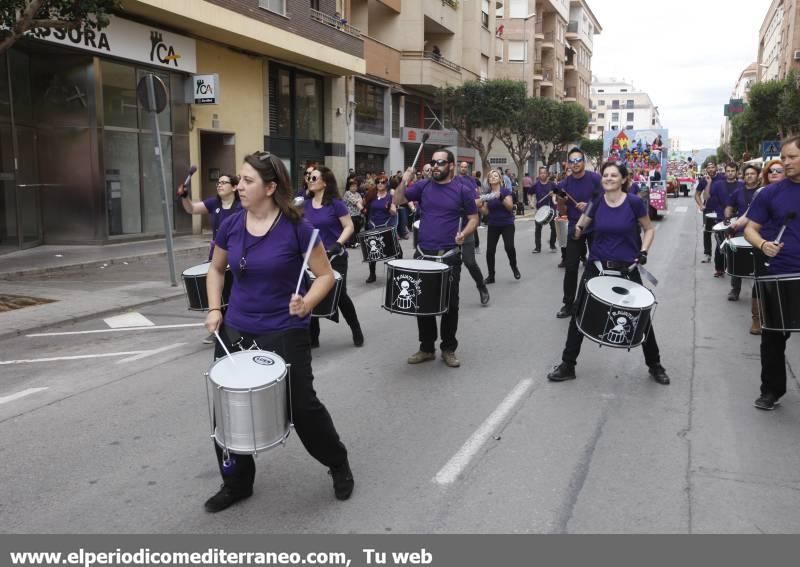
(616, 218)
(264, 245)
(326, 211)
(380, 211)
(499, 221)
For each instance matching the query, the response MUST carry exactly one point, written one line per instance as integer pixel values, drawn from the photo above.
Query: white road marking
(456, 465)
(132, 319)
(21, 394)
(682, 209)
(76, 357)
(154, 327)
(147, 353)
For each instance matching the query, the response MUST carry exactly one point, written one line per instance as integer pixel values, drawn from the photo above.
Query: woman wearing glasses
(379, 210)
(264, 245)
(220, 207)
(326, 211)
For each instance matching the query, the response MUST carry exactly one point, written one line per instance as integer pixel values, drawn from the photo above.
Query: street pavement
(107, 431)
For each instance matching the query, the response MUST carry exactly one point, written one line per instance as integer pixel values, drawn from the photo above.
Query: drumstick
(790, 216)
(543, 198)
(305, 259)
(222, 344)
(425, 137)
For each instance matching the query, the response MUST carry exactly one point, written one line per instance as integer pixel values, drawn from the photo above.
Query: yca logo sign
(161, 52)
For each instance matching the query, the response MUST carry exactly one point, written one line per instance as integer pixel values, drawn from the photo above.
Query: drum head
(621, 292)
(543, 214)
(739, 242)
(336, 275)
(711, 216)
(721, 227)
(418, 265)
(200, 270)
(247, 369)
(416, 224)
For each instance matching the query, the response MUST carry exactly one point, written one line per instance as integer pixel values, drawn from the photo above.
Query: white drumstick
(222, 344)
(305, 259)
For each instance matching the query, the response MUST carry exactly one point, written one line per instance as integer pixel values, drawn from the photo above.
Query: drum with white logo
(615, 312)
(417, 287)
(194, 282)
(379, 244)
(544, 215)
(247, 393)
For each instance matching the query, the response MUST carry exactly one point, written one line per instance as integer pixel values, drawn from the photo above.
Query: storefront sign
(205, 89)
(128, 40)
(437, 137)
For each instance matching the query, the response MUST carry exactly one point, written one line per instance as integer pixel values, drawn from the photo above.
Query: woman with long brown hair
(379, 210)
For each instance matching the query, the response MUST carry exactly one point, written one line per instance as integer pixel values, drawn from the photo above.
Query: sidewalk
(91, 281)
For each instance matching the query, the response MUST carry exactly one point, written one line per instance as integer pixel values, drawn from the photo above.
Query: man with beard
(738, 206)
(719, 196)
(446, 203)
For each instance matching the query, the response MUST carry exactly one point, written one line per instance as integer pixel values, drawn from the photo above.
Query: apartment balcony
(570, 64)
(334, 22)
(572, 30)
(383, 61)
(393, 5)
(538, 70)
(549, 40)
(539, 29)
(441, 17)
(424, 69)
(571, 94)
(543, 74)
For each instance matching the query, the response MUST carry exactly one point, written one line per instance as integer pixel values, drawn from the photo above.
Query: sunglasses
(224, 182)
(439, 162)
(312, 178)
(380, 182)
(776, 170)
(576, 160)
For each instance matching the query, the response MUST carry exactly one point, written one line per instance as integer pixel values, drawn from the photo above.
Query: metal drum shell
(562, 231)
(250, 419)
(779, 302)
(194, 283)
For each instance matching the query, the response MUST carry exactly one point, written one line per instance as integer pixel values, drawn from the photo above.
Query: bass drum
(417, 287)
(194, 282)
(741, 260)
(779, 302)
(615, 312)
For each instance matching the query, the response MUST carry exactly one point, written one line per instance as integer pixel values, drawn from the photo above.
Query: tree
(20, 16)
(478, 110)
(593, 149)
(788, 115)
(571, 122)
(528, 125)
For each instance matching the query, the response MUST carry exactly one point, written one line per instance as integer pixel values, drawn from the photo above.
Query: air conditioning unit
(797, 54)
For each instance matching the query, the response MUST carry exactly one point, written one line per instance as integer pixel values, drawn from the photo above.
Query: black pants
(312, 421)
(576, 249)
(358, 222)
(707, 226)
(493, 235)
(736, 284)
(537, 235)
(426, 326)
(339, 263)
(719, 261)
(773, 362)
(575, 338)
(468, 258)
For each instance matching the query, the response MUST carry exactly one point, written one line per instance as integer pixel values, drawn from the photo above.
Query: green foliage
(592, 148)
(20, 16)
(528, 124)
(789, 105)
(571, 122)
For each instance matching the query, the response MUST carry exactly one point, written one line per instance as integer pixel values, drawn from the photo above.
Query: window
(614, 104)
(498, 161)
(615, 117)
(518, 9)
(277, 6)
(518, 51)
(601, 90)
(369, 108)
(308, 107)
(623, 90)
(484, 67)
(601, 115)
(630, 117)
(629, 103)
(396, 116)
(629, 127)
(315, 5)
(601, 102)
(485, 13)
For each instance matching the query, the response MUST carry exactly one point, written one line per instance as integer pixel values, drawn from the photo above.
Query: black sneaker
(733, 295)
(562, 372)
(659, 374)
(516, 273)
(358, 336)
(566, 311)
(371, 278)
(343, 482)
(484, 295)
(225, 498)
(537, 250)
(561, 264)
(489, 280)
(766, 402)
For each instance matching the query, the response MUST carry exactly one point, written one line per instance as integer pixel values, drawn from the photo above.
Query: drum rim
(653, 295)
(416, 313)
(250, 450)
(378, 230)
(240, 353)
(186, 274)
(776, 277)
(441, 267)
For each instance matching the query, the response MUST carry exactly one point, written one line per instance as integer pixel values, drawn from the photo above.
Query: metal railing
(334, 22)
(545, 72)
(452, 3)
(432, 57)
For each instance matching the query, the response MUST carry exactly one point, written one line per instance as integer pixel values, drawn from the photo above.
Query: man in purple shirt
(579, 189)
(700, 197)
(542, 192)
(738, 205)
(446, 203)
(719, 195)
(778, 205)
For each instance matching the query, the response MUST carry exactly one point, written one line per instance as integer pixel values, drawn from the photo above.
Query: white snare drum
(562, 231)
(194, 282)
(544, 215)
(328, 306)
(248, 394)
(615, 312)
(417, 287)
(779, 302)
(721, 229)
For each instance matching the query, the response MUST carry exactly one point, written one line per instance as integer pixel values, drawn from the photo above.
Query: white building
(740, 91)
(618, 105)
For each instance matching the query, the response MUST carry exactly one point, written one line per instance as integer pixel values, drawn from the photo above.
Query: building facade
(741, 91)
(618, 105)
(779, 41)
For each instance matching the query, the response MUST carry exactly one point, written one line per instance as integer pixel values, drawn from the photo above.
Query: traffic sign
(770, 148)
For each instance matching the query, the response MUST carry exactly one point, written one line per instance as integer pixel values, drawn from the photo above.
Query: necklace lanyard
(245, 249)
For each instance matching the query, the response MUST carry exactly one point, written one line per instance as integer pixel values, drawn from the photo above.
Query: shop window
(122, 175)
(308, 111)
(119, 95)
(280, 103)
(369, 108)
(396, 116)
(164, 117)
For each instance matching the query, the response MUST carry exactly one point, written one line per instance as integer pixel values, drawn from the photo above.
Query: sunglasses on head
(576, 160)
(776, 170)
(439, 162)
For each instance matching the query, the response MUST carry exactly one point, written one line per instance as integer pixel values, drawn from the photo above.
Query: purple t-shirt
(259, 301)
(583, 190)
(701, 185)
(741, 199)
(218, 213)
(721, 193)
(770, 208)
(326, 219)
(616, 235)
(444, 205)
(541, 190)
(498, 215)
(379, 213)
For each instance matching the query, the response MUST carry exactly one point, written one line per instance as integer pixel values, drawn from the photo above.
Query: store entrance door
(28, 189)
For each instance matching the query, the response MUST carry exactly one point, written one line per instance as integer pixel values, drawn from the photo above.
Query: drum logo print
(376, 246)
(621, 325)
(263, 360)
(408, 289)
